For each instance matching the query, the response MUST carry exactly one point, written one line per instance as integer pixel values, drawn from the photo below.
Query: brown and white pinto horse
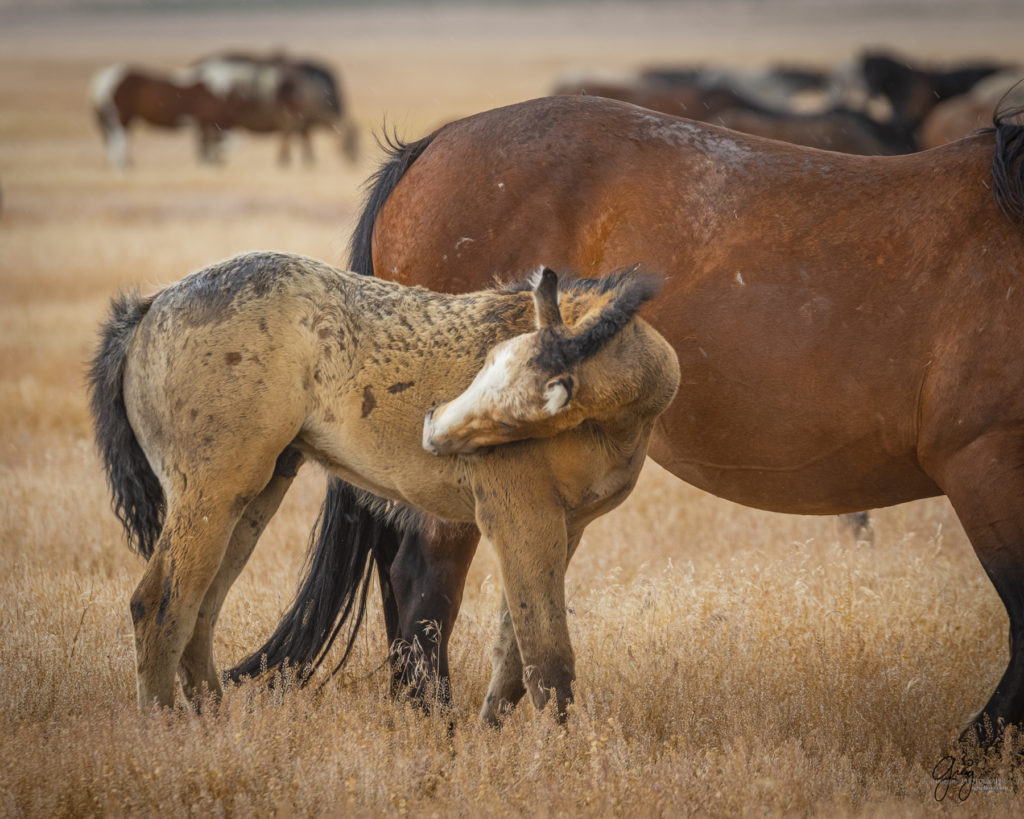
(122, 95)
(280, 94)
(208, 396)
(848, 328)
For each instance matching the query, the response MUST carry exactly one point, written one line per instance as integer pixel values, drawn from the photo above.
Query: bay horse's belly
(792, 398)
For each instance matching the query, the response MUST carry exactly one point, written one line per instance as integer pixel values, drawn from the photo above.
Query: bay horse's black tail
(137, 495)
(349, 539)
(333, 590)
(1008, 163)
(400, 156)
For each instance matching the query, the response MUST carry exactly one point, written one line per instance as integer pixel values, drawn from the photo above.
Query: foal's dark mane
(631, 288)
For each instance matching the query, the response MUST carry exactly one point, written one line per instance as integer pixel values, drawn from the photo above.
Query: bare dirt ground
(729, 661)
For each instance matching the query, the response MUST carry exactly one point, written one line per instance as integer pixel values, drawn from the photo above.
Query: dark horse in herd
(848, 331)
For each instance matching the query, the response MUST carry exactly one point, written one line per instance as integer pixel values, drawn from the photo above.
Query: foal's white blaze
(490, 381)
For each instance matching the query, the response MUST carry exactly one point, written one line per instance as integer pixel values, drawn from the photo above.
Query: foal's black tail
(349, 539)
(137, 495)
(1008, 163)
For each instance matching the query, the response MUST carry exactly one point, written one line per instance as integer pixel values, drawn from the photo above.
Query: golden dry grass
(729, 661)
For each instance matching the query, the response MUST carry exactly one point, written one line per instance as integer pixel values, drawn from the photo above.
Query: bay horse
(280, 94)
(208, 396)
(124, 94)
(848, 328)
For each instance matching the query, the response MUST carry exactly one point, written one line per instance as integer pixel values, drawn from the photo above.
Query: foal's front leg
(506, 687)
(529, 535)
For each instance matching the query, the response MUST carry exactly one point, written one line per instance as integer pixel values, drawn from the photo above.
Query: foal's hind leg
(197, 666)
(507, 687)
(201, 517)
(166, 601)
(985, 483)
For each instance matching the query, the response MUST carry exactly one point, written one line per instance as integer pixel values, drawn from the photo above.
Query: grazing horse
(279, 94)
(689, 99)
(122, 94)
(208, 396)
(711, 97)
(848, 328)
(837, 129)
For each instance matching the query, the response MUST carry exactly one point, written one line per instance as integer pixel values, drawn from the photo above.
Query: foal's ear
(558, 393)
(545, 299)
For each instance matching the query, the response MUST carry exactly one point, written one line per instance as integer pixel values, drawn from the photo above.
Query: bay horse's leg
(507, 687)
(858, 524)
(985, 483)
(197, 665)
(427, 578)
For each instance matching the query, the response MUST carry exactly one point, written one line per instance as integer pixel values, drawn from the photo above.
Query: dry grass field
(729, 661)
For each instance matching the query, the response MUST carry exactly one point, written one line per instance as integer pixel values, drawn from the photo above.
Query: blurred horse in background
(778, 86)
(848, 328)
(836, 129)
(760, 103)
(122, 95)
(913, 91)
(962, 115)
(279, 94)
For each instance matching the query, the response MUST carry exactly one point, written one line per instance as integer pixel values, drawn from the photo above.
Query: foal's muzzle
(428, 433)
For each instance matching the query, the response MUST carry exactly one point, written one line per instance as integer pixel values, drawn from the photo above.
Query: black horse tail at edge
(351, 536)
(333, 589)
(138, 499)
(400, 156)
(1008, 163)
